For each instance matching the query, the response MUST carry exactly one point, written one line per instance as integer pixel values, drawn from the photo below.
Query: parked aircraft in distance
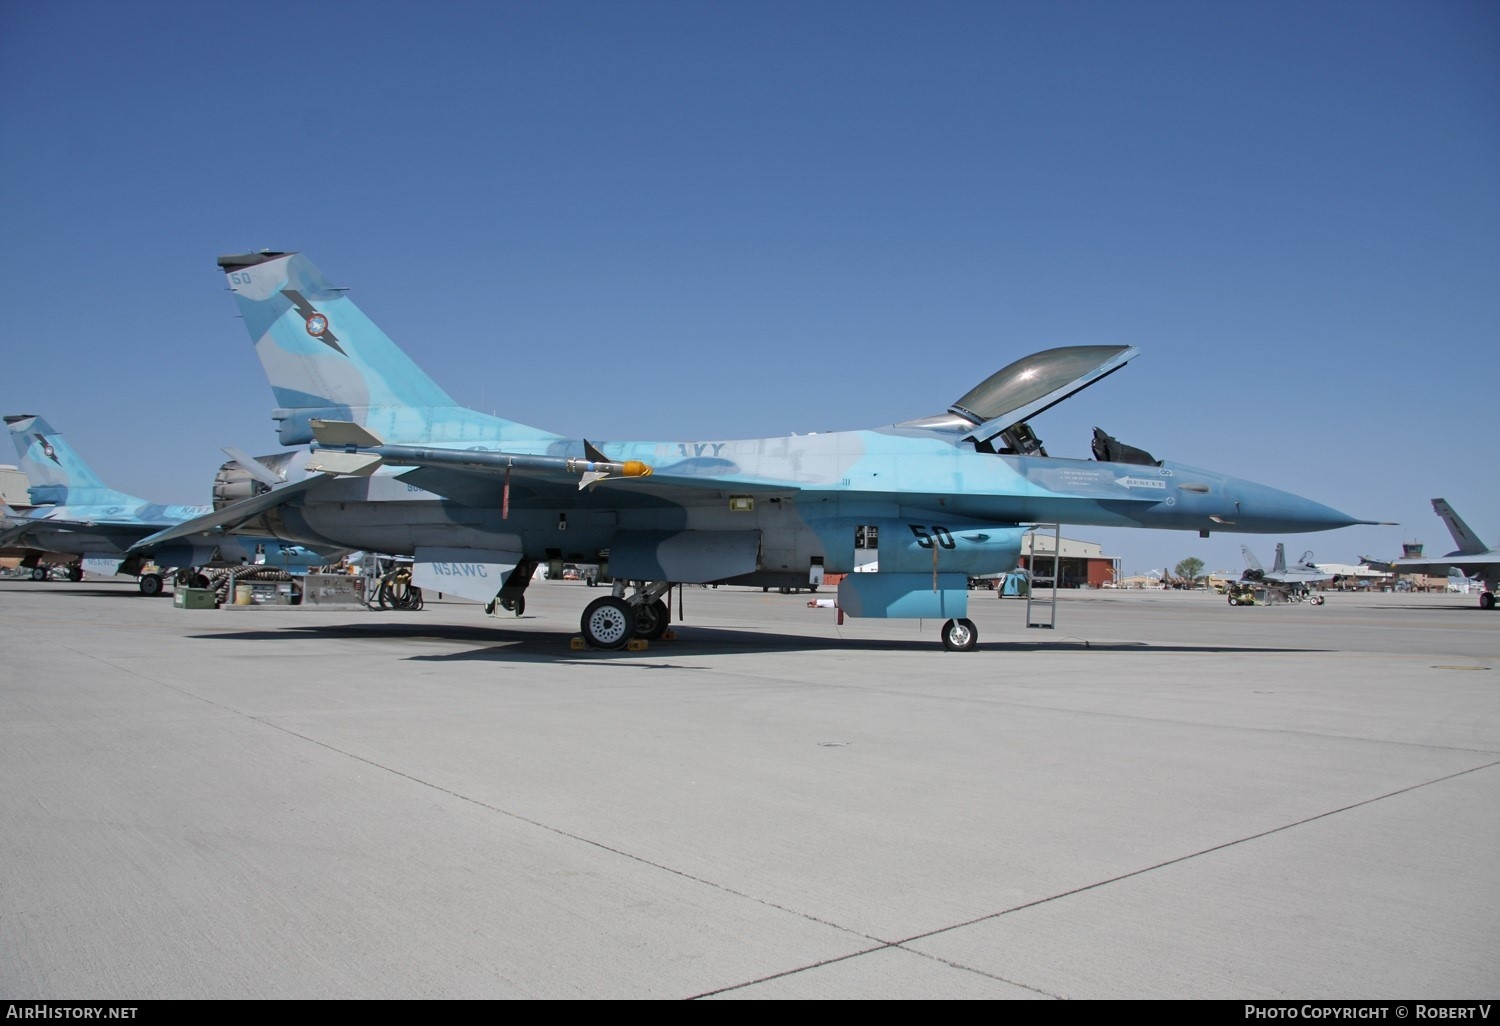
(97, 528)
(1293, 582)
(1172, 582)
(1473, 557)
(42, 563)
(396, 465)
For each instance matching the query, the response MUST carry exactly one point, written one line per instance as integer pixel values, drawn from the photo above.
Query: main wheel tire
(1487, 600)
(150, 584)
(652, 620)
(608, 622)
(959, 635)
(75, 573)
(38, 573)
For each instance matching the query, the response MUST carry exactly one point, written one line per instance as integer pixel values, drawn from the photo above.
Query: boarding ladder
(1041, 610)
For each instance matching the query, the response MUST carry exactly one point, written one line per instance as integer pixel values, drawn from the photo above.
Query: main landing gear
(614, 621)
(960, 635)
(608, 622)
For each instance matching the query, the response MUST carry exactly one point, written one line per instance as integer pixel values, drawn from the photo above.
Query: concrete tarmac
(1163, 797)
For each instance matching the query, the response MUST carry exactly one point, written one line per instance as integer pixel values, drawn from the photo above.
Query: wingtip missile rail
(421, 455)
(344, 437)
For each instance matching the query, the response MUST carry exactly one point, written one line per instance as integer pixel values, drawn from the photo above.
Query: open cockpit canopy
(1001, 404)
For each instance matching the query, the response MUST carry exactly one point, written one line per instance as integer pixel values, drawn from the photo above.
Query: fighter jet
(1293, 583)
(1472, 557)
(394, 464)
(96, 527)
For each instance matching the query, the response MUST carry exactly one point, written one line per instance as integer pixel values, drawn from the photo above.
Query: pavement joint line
(902, 944)
(124, 666)
(879, 946)
(1197, 854)
(494, 808)
(888, 945)
(892, 946)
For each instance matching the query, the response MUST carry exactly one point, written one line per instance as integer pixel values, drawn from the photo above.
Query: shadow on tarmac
(497, 643)
(72, 588)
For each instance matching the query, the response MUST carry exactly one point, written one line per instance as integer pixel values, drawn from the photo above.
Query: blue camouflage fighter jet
(394, 464)
(99, 530)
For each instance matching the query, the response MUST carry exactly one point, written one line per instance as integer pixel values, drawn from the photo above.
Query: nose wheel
(959, 635)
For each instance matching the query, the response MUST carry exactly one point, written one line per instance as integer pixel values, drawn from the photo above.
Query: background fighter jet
(1292, 582)
(478, 501)
(1304, 571)
(97, 527)
(1472, 557)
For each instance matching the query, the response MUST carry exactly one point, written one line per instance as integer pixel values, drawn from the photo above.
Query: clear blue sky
(715, 220)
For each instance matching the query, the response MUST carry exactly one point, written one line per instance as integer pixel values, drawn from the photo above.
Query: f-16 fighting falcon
(394, 464)
(80, 519)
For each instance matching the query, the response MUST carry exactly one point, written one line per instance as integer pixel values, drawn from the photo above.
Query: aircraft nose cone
(1271, 511)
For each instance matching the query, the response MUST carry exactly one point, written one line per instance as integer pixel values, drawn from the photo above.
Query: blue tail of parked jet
(327, 361)
(58, 475)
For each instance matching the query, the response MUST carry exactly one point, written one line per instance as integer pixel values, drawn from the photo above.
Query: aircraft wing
(228, 517)
(1440, 565)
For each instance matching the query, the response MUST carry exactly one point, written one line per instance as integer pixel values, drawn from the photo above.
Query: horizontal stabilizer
(15, 532)
(227, 518)
(254, 467)
(20, 527)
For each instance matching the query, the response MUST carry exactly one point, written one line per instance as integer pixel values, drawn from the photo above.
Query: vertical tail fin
(1463, 535)
(326, 360)
(1251, 563)
(57, 474)
(1279, 567)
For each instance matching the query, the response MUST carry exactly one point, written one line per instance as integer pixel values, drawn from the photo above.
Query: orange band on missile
(635, 468)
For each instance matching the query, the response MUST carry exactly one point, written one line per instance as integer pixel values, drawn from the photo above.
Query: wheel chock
(633, 645)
